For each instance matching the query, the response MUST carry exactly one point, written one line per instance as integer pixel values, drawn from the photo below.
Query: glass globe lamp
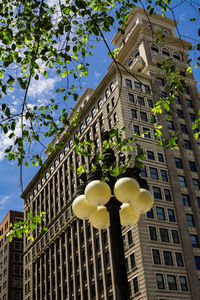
(143, 202)
(128, 216)
(97, 192)
(82, 208)
(100, 218)
(126, 189)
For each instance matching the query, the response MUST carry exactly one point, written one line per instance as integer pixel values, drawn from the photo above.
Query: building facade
(11, 260)
(72, 260)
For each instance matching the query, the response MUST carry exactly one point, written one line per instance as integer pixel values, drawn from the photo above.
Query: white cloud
(97, 75)
(42, 86)
(3, 201)
(182, 17)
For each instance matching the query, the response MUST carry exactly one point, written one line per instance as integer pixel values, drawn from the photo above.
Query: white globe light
(97, 192)
(100, 218)
(82, 208)
(126, 189)
(144, 202)
(128, 216)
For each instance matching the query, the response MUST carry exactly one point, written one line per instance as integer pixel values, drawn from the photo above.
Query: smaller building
(11, 260)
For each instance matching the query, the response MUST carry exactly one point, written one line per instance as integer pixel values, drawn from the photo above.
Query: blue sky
(10, 180)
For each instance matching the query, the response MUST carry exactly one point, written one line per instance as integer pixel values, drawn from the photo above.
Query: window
(143, 116)
(115, 117)
(132, 259)
(130, 61)
(177, 99)
(150, 103)
(147, 89)
(150, 155)
(87, 120)
(160, 213)
(112, 87)
(186, 200)
(131, 98)
(130, 237)
(113, 102)
(100, 103)
(164, 175)
(192, 117)
(150, 214)
(183, 128)
(192, 166)
(164, 236)
(146, 132)
(175, 237)
(135, 285)
(187, 144)
(81, 128)
(196, 183)
(190, 220)
(179, 259)
(176, 56)
(163, 94)
(160, 157)
(183, 283)
(144, 172)
(141, 101)
(157, 192)
(156, 256)
(171, 279)
(108, 107)
(128, 83)
(138, 86)
(154, 173)
(194, 240)
(197, 261)
(106, 93)
(160, 282)
(160, 81)
(180, 113)
(167, 195)
(170, 125)
(133, 113)
(152, 233)
(136, 129)
(178, 163)
(154, 48)
(168, 258)
(181, 180)
(186, 90)
(198, 200)
(165, 52)
(189, 103)
(171, 215)
(93, 112)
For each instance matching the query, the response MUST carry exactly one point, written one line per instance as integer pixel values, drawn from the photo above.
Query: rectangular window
(115, 117)
(178, 163)
(177, 99)
(140, 100)
(108, 107)
(194, 240)
(135, 285)
(168, 258)
(190, 220)
(132, 259)
(180, 113)
(143, 172)
(113, 102)
(147, 89)
(156, 256)
(170, 125)
(131, 98)
(153, 173)
(189, 103)
(150, 214)
(100, 103)
(93, 112)
(167, 195)
(136, 129)
(197, 262)
(181, 180)
(133, 113)
(128, 83)
(192, 117)
(186, 200)
(112, 87)
(150, 155)
(198, 201)
(196, 183)
(138, 86)
(106, 93)
(164, 236)
(160, 282)
(164, 175)
(130, 237)
(160, 213)
(160, 157)
(87, 120)
(192, 166)
(146, 132)
(183, 283)
(150, 103)
(157, 192)
(160, 81)
(152, 233)
(143, 116)
(179, 259)
(183, 128)
(171, 279)
(187, 144)
(175, 237)
(171, 215)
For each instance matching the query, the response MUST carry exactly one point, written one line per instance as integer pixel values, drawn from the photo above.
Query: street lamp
(118, 202)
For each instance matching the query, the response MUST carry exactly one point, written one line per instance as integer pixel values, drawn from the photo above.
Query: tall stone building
(72, 260)
(11, 260)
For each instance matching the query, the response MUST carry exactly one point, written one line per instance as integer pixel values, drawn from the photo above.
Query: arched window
(154, 48)
(176, 56)
(165, 52)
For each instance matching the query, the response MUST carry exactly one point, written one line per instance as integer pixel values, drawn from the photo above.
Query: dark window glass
(153, 173)
(106, 93)
(108, 107)
(198, 200)
(186, 200)
(175, 237)
(150, 155)
(197, 261)
(179, 259)
(147, 89)
(144, 172)
(192, 166)
(164, 236)
(132, 259)
(156, 256)
(178, 163)
(189, 103)
(135, 285)
(167, 195)
(170, 125)
(160, 213)
(136, 53)
(194, 240)
(181, 180)
(183, 283)
(138, 86)
(160, 157)
(150, 103)
(133, 113)
(143, 116)
(176, 56)
(171, 215)
(141, 100)
(168, 258)
(165, 52)
(186, 90)
(177, 99)
(130, 61)
(131, 98)
(187, 144)
(152, 233)
(183, 128)
(160, 282)
(163, 94)
(192, 117)
(160, 81)
(196, 183)
(154, 48)
(157, 192)
(100, 103)
(136, 129)
(115, 117)
(130, 237)
(164, 175)
(171, 279)
(128, 83)
(180, 113)
(150, 214)
(190, 220)
(146, 132)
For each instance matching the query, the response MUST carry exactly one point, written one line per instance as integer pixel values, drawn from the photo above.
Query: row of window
(161, 214)
(143, 115)
(138, 86)
(171, 282)
(164, 235)
(179, 165)
(167, 257)
(166, 52)
(140, 100)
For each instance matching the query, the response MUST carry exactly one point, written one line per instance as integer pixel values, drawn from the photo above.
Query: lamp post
(118, 202)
